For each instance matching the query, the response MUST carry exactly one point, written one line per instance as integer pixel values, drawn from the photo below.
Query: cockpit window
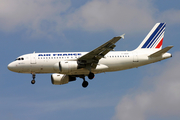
(19, 59)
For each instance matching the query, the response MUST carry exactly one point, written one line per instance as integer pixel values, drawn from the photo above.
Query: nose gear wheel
(33, 81)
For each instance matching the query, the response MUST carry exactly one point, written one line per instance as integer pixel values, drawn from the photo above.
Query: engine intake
(59, 79)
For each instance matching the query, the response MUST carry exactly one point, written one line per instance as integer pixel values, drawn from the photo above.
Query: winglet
(122, 36)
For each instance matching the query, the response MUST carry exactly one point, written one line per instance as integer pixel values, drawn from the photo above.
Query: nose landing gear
(33, 81)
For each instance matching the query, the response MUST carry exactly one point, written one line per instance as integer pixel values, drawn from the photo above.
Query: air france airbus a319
(67, 66)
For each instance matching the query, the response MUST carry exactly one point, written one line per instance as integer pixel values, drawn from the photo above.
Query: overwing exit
(67, 66)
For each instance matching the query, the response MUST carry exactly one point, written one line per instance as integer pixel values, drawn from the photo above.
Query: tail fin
(155, 37)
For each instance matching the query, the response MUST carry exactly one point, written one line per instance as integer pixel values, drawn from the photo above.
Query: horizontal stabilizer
(160, 52)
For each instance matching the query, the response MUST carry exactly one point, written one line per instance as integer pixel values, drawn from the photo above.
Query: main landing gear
(85, 83)
(91, 75)
(33, 81)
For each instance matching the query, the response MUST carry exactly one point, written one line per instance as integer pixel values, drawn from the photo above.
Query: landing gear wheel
(33, 82)
(91, 75)
(85, 84)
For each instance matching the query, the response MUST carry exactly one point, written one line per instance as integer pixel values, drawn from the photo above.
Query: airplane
(67, 66)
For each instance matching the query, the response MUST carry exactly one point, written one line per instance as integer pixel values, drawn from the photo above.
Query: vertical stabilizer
(154, 39)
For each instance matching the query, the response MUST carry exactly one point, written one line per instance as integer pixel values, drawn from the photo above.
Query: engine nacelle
(66, 66)
(59, 79)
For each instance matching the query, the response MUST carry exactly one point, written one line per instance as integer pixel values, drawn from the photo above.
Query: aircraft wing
(92, 58)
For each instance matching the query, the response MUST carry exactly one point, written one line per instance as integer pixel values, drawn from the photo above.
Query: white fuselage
(113, 61)
(66, 66)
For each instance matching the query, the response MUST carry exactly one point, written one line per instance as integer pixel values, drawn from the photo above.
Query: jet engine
(59, 79)
(66, 66)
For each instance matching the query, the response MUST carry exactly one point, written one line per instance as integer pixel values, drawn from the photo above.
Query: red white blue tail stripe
(155, 37)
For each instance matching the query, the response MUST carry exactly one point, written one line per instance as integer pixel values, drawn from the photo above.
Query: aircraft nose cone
(11, 67)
